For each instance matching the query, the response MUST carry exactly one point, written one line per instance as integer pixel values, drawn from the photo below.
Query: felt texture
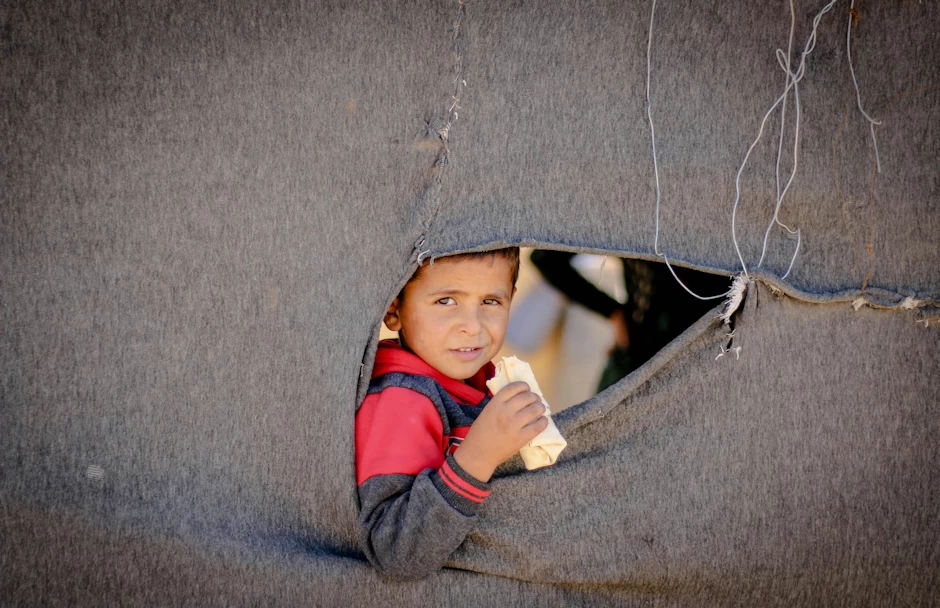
(207, 208)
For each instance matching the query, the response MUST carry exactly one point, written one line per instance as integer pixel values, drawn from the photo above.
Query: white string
(781, 194)
(796, 145)
(795, 77)
(799, 238)
(737, 181)
(783, 108)
(785, 64)
(792, 80)
(858, 95)
(669, 266)
(649, 115)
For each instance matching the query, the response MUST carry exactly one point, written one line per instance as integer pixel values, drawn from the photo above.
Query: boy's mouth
(468, 352)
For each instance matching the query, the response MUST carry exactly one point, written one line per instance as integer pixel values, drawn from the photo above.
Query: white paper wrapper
(544, 449)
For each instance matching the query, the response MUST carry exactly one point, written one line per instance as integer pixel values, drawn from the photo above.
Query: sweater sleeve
(416, 507)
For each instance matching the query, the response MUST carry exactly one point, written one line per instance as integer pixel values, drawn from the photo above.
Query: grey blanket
(207, 208)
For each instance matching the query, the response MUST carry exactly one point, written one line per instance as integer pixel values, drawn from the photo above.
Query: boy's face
(454, 314)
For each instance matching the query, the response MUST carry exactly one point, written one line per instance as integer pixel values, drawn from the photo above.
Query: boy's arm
(416, 506)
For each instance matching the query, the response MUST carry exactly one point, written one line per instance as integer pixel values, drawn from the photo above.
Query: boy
(426, 446)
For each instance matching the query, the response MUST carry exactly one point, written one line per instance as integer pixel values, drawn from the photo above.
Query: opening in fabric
(584, 321)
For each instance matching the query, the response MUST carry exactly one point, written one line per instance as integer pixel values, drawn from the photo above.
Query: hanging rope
(853, 19)
(793, 79)
(792, 82)
(649, 115)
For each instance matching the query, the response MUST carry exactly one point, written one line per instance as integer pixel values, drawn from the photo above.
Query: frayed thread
(910, 303)
(735, 297)
(723, 351)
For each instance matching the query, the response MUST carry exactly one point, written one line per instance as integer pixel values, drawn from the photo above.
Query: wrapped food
(544, 449)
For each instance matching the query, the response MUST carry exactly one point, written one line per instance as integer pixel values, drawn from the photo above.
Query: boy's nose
(471, 322)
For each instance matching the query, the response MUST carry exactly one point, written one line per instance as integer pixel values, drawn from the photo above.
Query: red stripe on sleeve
(460, 486)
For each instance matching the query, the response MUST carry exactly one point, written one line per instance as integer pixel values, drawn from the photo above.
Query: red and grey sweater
(417, 504)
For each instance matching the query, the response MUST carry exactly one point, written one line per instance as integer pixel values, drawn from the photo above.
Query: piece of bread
(544, 449)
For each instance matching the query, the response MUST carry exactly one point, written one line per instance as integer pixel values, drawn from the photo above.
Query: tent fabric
(207, 209)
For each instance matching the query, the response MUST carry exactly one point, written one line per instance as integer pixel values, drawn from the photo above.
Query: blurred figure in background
(656, 311)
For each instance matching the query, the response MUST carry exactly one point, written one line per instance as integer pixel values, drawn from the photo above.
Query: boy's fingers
(512, 389)
(523, 400)
(531, 412)
(535, 427)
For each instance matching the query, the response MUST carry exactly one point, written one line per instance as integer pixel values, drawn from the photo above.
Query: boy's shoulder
(403, 385)
(391, 357)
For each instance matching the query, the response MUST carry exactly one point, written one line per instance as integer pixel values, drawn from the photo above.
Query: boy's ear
(392, 319)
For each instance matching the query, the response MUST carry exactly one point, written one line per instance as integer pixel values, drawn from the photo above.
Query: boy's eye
(492, 302)
(448, 301)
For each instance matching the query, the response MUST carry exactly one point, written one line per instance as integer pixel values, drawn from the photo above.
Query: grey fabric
(726, 477)
(206, 210)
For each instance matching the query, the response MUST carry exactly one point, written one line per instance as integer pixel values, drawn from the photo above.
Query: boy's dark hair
(510, 253)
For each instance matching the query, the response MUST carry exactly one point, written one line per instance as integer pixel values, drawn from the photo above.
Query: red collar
(391, 357)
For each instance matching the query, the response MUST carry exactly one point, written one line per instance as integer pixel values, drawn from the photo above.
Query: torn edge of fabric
(874, 297)
(372, 344)
(604, 402)
(908, 303)
(600, 405)
(439, 129)
(927, 310)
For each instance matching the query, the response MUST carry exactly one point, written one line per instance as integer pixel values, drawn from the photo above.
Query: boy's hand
(511, 419)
